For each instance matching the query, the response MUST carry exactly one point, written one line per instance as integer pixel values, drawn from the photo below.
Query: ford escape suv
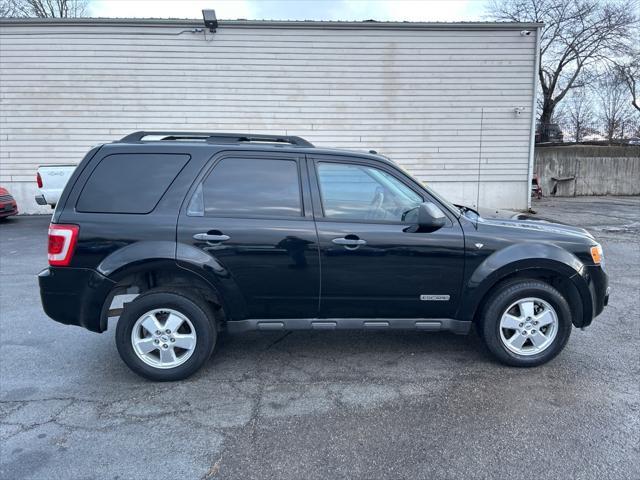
(185, 235)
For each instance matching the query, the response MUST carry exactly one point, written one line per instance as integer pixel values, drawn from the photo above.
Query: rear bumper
(74, 296)
(40, 200)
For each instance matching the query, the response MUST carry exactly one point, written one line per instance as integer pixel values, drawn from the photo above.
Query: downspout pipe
(534, 105)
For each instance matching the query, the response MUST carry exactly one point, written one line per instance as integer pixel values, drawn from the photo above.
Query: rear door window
(129, 183)
(246, 187)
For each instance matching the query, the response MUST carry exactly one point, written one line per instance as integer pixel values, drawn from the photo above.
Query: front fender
(517, 258)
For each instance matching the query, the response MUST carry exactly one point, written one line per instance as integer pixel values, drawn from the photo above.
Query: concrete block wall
(576, 170)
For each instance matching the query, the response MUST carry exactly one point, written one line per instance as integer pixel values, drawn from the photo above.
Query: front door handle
(211, 238)
(349, 243)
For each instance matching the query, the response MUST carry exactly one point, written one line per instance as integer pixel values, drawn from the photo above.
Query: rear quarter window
(129, 183)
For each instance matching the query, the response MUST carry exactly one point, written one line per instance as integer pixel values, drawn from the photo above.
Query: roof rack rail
(212, 137)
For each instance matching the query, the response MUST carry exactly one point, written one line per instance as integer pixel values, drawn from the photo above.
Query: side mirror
(430, 217)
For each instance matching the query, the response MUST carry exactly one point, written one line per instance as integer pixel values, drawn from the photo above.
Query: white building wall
(439, 99)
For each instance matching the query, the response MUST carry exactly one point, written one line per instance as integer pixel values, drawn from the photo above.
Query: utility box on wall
(450, 102)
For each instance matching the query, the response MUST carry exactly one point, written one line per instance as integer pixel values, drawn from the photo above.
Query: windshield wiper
(463, 209)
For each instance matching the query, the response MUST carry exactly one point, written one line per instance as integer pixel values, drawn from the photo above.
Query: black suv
(186, 235)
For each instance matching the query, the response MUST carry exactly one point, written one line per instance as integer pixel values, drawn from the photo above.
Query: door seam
(315, 225)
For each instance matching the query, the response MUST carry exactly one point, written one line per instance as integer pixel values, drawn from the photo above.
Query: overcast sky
(382, 10)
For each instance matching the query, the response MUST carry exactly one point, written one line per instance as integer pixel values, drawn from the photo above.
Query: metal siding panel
(415, 95)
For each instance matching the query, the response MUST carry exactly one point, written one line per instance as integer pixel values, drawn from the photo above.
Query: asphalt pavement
(324, 405)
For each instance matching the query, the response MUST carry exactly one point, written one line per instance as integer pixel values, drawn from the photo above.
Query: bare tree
(43, 8)
(9, 8)
(614, 109)
(579, 112)
(629, 71)
(577, 34)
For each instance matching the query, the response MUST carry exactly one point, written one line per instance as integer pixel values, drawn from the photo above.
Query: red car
(8, 205)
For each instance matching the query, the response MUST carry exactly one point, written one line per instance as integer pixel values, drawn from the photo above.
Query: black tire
(479, 328)
(505, 296)
(195, 309)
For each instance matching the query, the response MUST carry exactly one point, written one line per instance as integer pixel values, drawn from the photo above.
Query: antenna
(479, 158)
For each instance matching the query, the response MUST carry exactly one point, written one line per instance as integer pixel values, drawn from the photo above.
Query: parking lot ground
(324, 404)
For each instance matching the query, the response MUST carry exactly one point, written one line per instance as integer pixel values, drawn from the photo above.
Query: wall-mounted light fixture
(210, 20)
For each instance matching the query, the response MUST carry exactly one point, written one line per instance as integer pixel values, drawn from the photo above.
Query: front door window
(352, 192)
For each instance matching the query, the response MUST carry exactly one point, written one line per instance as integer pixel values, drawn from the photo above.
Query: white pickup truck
(51, 180)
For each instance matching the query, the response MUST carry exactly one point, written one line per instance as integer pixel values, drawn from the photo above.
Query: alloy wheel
(163, 338)
(528, 326)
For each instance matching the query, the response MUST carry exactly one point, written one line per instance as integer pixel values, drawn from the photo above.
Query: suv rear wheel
(526, 323)
(166, 335)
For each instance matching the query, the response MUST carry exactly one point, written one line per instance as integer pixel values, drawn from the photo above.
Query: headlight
(596, 254)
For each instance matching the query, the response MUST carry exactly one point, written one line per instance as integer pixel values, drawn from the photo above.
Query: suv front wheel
(166, 335)
(526, 323)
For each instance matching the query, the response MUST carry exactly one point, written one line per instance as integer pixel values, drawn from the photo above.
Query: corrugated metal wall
(426, 96)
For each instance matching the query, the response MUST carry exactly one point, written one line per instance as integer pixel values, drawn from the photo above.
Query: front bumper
(597, 282)
(74, 296)
(8, 209)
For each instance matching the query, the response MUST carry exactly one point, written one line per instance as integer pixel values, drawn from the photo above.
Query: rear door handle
(211, 238)
(349, 242)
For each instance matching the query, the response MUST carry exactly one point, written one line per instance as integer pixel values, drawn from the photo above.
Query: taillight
(62, 242)
(39, 180)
